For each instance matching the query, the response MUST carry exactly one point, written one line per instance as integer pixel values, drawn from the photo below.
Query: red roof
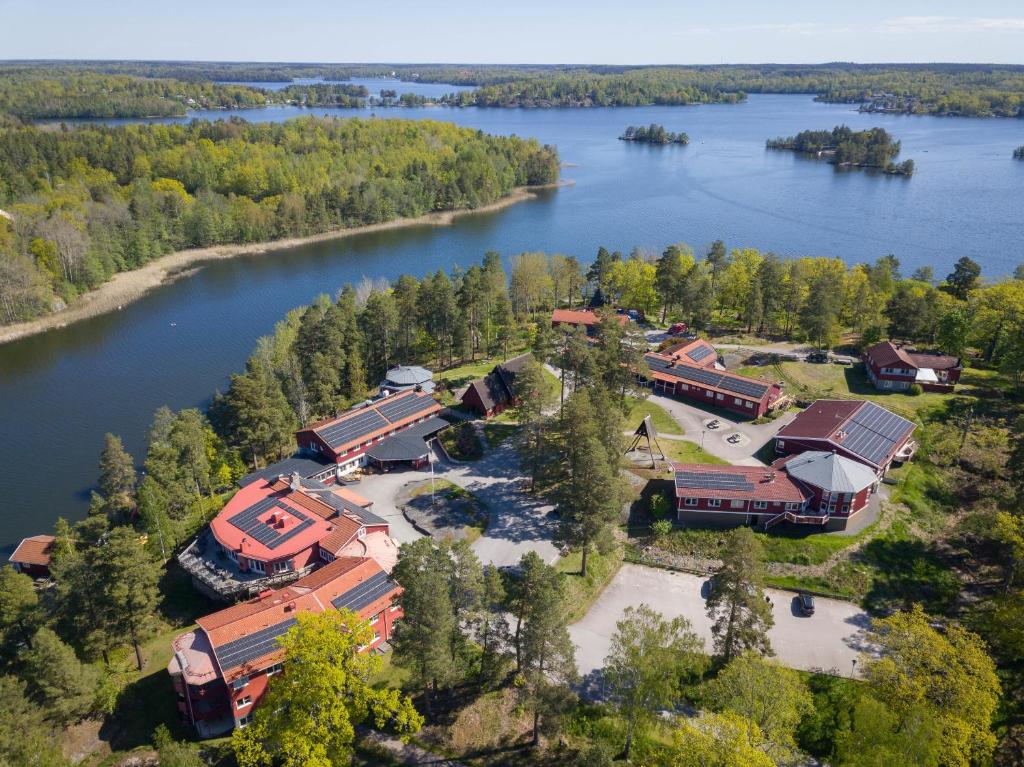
(888, 354)
(583, 317)
(771, 391)
(822, 419)
(763, 483)
(427, 406)
(696, 352)
(35, 550)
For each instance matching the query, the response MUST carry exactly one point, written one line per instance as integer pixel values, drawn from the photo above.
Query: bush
(915, 390)
(661, 528)
(658, 506)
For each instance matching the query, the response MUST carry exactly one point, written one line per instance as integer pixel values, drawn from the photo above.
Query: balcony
(217, 574)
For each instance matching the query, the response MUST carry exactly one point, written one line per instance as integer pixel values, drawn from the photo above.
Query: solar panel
(699, 353)
(712, 378)
(873, 432)
(353, 428)
(713, 480)
(252, 646)
(396, 410)
(365, 593)
(249, 523)
(748, 388)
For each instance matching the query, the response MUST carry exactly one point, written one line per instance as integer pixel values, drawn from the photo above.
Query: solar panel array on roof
(873, 432)
(365, 593)
(396, 410)
(706, 377)
(352, 428)
(706, 480)
(252, 646)
(699, 353)
(247, 520)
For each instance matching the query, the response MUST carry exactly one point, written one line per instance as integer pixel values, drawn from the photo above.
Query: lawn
(496, 433)
(581, 592)
(663, 422)
(462, 442)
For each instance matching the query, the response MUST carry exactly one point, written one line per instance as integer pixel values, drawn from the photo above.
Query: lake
(60, 391)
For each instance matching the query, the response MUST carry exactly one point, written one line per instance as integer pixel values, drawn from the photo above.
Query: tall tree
(19, 609)
(309, 714)
(718, 740)
(736, 603)
(533, 397)
(63, 685)
(129, 577)
(669, 273)
(117, 477)
(26, 738)
(965, 277)
(492, 630)
(649, 659)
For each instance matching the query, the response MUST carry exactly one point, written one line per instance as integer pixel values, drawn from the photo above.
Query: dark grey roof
(327, 495)
(358, 597)
(497, 387)
(745, 387)
(306, 466)
(399, 447)
(427, 428)
(873, 433)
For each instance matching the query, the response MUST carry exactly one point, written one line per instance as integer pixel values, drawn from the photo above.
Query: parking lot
(830, 640)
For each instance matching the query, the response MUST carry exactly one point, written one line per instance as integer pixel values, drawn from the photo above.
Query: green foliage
(661, 528)
(26, 738)
(653, 134)
(63, 685)
(872, 148)
(309, 714)
(174, 753)
(718, 740)
(19, 610)
(736, 603)
(915, 390)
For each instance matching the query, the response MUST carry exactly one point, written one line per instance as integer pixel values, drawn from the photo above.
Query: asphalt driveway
(830, 640)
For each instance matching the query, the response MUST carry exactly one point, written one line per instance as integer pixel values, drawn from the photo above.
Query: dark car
(818, 357)
(806, 602)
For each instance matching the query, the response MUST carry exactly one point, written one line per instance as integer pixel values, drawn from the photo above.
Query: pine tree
(259, 418)
(492, 630)
(533, 397)
(19, 609)
(64, 686)
(117, 477)
(736, 604)
(26, 738)
(129, 577)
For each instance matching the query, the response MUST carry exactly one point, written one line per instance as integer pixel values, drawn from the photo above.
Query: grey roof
(497, 387)
(306, 466)
(326, 494)
(408, 375)
(427, 428)
(830, 471)
(399, 447)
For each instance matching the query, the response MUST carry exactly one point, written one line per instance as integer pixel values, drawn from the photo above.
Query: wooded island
(844, 147)
(653, 134)
(1018, 153)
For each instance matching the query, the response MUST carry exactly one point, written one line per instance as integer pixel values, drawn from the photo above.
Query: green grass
(496, 433)
(663, 422)
(682, 451)
(450, 441)
(389, 676)
(580, 591)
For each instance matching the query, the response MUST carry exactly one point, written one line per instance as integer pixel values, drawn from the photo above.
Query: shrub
(661, 528)
(915, 390)
(658, 506)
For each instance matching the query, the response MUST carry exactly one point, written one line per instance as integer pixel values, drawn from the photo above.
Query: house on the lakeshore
(388, 431)
(896, 368)
(221, 669)
(33, 556)
(274, 531)
(406, 377)
(857, 429)
(700, 382)
(495, 392)
(823, 489)
(569, 319)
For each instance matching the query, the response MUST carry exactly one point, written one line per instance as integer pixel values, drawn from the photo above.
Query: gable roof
(373, 419)
(862, 428)
(583, 317)
(829, 471)
(697, 352)
(670, 369)
(888, 354)
(306, 465)
(759, 483)
(34, 550)
(498, 386)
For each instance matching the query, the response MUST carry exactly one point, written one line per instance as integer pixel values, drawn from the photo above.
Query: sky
(523, 31)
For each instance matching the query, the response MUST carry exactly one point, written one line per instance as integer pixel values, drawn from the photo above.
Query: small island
(844, 147)
(653, 134)
(1018, 153)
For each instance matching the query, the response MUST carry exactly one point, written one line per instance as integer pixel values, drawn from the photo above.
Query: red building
(860, 430)
(697, 380)
(817, 488)
(696, 352)
(346, 440)
(274, 531)
(895, 368)
(222, 668)
(582, 318)
(495, 392)
(33, 556)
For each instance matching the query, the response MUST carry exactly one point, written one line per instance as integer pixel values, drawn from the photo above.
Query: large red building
(857, 429)
(221, 669)
(690, 373)
(894, 367)
(358, 436)
(817, 488)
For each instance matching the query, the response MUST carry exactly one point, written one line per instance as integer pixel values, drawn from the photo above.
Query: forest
(842, 146)
(947, 586)
(653, 134)
(1018, 153)
(89, 202)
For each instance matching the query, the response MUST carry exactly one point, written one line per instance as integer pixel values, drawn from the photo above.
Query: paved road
(830, 639)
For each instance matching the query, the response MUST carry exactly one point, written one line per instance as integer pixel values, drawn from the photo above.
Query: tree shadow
(908, 572)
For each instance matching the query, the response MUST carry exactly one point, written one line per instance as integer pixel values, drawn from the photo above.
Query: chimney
(296, 481)
(266, 593)
(290, 606)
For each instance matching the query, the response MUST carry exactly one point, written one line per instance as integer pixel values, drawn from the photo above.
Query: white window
(240, 684)
(721, 396)
(256, 566)
(245, 721)
(749, 404)
(283, 567)
(737, 400)
(243, 702)
(374, 619)
(710, 393)
(395, 607)
(760, 504)
(232, 555)
(376, 637)
(780, 444)
(714, 503)
(792, 506)
(326, 556)
(275, 669)
(736, 504)
(684, 387)
(690, 501)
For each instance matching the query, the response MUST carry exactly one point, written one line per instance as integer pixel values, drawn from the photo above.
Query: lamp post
(853, 663)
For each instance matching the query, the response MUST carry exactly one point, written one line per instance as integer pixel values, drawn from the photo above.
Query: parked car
(678, 329)
(806, 602)
(841, 360)
(819, 356)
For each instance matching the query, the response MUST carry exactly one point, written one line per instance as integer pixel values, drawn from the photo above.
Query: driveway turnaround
(830, 640)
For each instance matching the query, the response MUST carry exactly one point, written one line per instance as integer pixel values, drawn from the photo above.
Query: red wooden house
(222, 668)
(495, 392)
(896, 368)
(582, 318)
(681, 377)
(33, 556)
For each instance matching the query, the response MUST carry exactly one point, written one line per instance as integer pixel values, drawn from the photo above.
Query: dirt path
(126, 287)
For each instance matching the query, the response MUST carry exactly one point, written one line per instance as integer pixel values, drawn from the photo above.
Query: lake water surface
(60, 391)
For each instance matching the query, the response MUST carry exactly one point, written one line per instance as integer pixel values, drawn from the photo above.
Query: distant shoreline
(126, 287)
